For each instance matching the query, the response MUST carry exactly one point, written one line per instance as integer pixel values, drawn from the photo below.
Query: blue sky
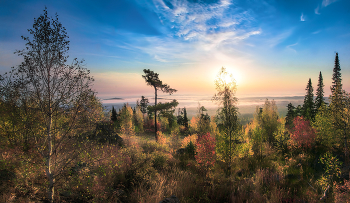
(271, 47)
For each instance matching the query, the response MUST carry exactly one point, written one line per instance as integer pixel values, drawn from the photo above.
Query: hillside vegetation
(57, 144)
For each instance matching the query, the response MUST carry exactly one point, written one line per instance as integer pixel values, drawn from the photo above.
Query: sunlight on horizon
(234, 72)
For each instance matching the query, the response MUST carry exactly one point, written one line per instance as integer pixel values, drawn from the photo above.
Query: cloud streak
(326, 3)
(302, 18)
(317, 10)
(212, 24)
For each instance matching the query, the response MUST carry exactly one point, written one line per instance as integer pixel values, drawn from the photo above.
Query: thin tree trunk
(155, 114)
(49, 173)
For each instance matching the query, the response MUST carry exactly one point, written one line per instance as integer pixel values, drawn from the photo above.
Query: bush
(192, 138)
(205, 156)
(190, 149)
(161, 138)
(159, 161)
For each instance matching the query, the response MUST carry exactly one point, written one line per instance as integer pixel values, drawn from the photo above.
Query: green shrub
(190, 149)
(159, 161)
(151, 146)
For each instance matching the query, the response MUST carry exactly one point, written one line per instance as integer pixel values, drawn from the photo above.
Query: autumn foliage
(205, 156)
(303, 134)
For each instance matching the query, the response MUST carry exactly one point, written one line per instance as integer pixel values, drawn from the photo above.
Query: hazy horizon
(246, 105)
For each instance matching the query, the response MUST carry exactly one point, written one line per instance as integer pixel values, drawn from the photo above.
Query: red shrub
(205, 156)
(303, 134)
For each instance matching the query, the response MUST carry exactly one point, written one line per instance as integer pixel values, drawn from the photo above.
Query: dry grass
(146, 171)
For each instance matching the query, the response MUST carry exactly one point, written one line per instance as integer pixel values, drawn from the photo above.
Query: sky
(271, 47)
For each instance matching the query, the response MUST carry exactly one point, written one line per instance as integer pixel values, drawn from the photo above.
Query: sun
(233, 73)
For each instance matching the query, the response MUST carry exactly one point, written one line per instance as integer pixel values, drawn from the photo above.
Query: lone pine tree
(153, 80)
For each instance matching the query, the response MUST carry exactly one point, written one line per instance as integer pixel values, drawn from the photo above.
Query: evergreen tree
(319, 101)
(180, 116)
(337, 93)
(114, 115)
(337, 86)
(185, 119)
(290, 115)
(309, 106)
(152, 79)
(298, 111)
(143, 104)
(337, 106)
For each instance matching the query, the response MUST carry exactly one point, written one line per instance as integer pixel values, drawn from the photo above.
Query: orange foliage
(161, 138)
(194, 123)
(192, 138)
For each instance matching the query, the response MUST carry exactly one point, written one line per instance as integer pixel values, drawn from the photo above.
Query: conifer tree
(185, 119)
(309, 106)
(319, 101)
(114, 115)
(152, 79)
(337, 93)
(143, 105)
(298, 111)
(290, 115)
(337, 106)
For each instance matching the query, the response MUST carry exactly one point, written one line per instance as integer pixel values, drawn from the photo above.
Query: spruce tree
(290, 115)
(114, 115)
(309, 106)
(185, 119)
(337, 105)
(337, 92)
(337, 86)
(143, 104)
(298, 111)
(319, 101)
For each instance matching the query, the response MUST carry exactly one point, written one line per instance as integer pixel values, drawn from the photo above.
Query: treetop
(152, 79)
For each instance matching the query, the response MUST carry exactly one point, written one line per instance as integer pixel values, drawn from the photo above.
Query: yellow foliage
(161, 138)
(164, 123)
(213, 127)
(194, 123)
(126, 115)
(192, 138)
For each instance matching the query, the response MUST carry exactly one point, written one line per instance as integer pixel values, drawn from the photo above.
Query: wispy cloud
(289, 47)
(302, 18)
(326, 3)
(210, 23)
(317, 10)
(279, 38)
(156, 57)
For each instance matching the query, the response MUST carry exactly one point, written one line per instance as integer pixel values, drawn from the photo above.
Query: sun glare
(236, 75)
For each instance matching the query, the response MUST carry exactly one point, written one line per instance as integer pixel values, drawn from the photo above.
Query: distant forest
(57, 143)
